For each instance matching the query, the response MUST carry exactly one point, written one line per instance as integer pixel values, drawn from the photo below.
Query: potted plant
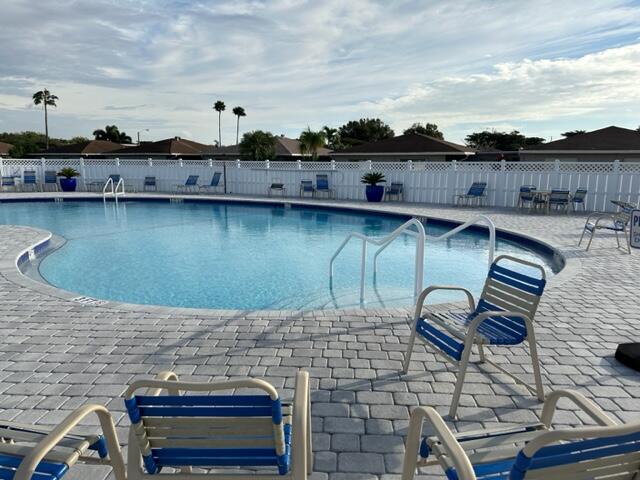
(68, 181)
(374, 191)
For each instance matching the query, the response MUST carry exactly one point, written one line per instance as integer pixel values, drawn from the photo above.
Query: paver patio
(56, 354)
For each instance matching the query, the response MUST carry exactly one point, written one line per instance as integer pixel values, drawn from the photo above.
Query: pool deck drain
(57, 354)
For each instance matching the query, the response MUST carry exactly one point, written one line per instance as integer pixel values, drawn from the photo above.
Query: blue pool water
(241, 256)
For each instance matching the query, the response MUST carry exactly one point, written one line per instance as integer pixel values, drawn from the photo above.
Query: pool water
(242, 256)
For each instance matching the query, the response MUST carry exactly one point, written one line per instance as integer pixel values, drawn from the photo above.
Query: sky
(541, 67)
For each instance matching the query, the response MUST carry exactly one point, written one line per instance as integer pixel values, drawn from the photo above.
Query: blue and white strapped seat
(28, 452)
(191, 184)
(476, 193)
(396, 189)
(503, 316)
(215, 182)
(50, 178)
(246, 431)
(322, 185)
(532, 452)
(29, 180)
(612, 222)
(306, 186)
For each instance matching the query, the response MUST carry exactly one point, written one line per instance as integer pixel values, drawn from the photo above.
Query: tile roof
(411, 143)
(284, 147)
(4, 148)
(91, 147)
(609, 138)
(168, 146)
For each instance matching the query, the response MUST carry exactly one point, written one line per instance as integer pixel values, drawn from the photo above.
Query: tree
(26, 143)
(238, 112)
(311, 142)
(572, 133)
(508, 141)
(45, 98)
(332, 138)
(112, 134)
(258, 145)
(430, 129)
(219, 107)
(364, 130)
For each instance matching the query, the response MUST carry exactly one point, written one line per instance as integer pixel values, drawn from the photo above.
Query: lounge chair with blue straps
(396, 190)
(50, 180)
(579, 198)
(29, 180)
(533, 452)
(322, 185)
(28, 452)
(215, 183)
(476, 194)
(150, 184)
(306, 186)
(252, 431)
(503, 316)
(527, 196)
(190, 185)
(9, 181)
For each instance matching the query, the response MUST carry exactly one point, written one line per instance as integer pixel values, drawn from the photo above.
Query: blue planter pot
(68, 184)
(374, 193)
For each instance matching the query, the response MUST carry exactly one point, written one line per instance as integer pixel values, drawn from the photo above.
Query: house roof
(168, 146)
(90, 147)
(4, 148)
(410, 143)
(285, 147)
(609, 139)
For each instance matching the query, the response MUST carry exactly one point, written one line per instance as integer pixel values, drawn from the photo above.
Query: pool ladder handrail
(474, 221)
(405, 229)
(114, 191)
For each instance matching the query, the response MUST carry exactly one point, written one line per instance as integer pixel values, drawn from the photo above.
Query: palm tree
(258, 145)
(238, 112)
(45, 98)
(112, 134)
(332, 137)
(219, 107)
(310, 142)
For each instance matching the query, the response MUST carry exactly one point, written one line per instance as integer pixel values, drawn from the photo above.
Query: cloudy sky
(542, 67)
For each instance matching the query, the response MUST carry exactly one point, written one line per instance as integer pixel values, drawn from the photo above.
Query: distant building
(175, 147)
(4, 149)
(287, 149)
(411, 146)
(604, 145)
(90, 148)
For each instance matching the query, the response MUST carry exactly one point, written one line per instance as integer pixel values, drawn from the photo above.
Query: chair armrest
(30, 461)
(455, 451)
(301, 454)
(599, 216)
(586, 405)
(425, 293)
(167, 375)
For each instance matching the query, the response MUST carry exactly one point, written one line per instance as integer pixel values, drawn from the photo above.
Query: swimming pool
(242, 256)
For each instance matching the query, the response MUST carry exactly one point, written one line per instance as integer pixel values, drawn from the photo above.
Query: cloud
(293, 63)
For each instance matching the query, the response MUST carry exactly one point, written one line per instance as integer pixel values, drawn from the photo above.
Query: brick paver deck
(56, 354)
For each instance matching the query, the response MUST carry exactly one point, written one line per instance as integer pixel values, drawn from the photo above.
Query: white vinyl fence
(424, 182)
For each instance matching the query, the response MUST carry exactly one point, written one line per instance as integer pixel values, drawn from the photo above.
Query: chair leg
(582, 236)
(407, 356)
(533, 349)
(591, 238)
(481, 352)
(617, 239)
(462, 371)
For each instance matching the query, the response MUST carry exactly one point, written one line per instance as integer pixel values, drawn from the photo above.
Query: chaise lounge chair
(476, 193)
(395, 190)
(322, 185)
(536, 451)
(306, 186)
(209, 430)
(28, 452)
(215, 182)
(190, 185)
(503, 316)
(29, 180)
(50, 179)
(150, 184)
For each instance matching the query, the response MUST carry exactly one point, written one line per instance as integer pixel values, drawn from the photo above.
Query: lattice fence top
(586, 167)
(22, 162)
(526, 167)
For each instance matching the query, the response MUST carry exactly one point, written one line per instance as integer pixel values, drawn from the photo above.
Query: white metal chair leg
(582, 236)
(481, 352)
(591, 238)
(462, 371)
(533, 350)
(407, 356)
(617, 239)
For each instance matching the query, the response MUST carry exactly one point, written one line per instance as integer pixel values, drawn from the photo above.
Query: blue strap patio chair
(306, 186)
(476, 194)
(51, 179)
(607, 450)
(612, 222)
(8, 181)
(150, 184)
(215, 182)
(28, 452)
(190, 185)
(396, 190)
(322, 185)
(29, 180)
(212, 430)
(559, 199)
(578, 198)
(527, 196)
(503, 316)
